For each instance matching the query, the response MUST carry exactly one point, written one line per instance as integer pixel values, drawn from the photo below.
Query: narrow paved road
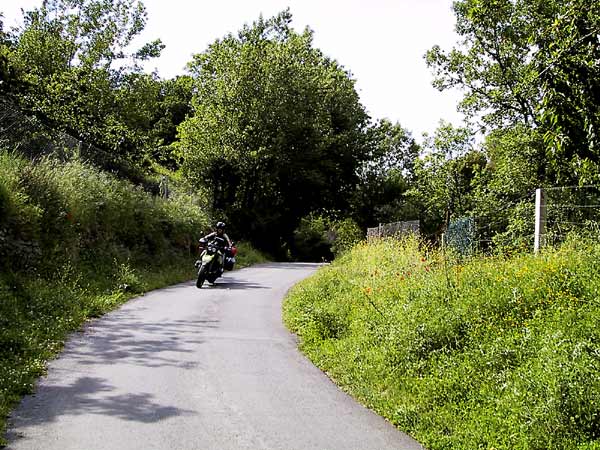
(182, 368)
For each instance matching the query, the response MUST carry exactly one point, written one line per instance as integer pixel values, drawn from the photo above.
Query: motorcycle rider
(219, 232)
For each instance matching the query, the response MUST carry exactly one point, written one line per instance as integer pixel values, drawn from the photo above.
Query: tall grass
(486, 353)
(64, 210)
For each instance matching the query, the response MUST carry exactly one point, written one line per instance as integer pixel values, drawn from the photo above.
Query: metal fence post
(163, 187)
(540, 220)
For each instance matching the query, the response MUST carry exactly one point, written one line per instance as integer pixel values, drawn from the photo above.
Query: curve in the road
(182, 368)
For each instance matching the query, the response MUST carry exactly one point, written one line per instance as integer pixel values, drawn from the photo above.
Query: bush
(319, 238)
(68, 211)
(247, 255)
(345, 233)
(310, 239)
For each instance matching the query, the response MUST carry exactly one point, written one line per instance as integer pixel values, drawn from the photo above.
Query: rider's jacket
(211, 236)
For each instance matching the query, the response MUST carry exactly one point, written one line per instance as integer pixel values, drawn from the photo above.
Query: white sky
(381, 42)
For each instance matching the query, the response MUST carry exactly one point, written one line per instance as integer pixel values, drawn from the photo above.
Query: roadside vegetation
(484, 352)
(248, 255)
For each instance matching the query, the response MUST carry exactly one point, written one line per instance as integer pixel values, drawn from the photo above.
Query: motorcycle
(215, 258)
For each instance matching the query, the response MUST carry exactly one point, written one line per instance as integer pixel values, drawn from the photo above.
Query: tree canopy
(277, 129)
(535, 63)
(74, 72)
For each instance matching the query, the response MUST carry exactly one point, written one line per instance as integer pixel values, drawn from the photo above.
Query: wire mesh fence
(395, 229)
(462, 235)
(569, 211)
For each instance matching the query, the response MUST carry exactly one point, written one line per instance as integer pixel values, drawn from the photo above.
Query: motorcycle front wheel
(201, 276)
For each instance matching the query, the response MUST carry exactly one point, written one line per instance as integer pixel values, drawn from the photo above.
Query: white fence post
(540, 220)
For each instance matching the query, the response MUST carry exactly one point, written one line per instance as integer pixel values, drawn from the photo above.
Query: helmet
(220, 225)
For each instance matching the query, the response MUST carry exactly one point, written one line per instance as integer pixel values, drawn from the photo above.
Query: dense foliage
(273, 130)
(485, 353)
(321, 238)
(534, 63)
(54, 214)
(68, 66)
(277, 130)
(386, 176)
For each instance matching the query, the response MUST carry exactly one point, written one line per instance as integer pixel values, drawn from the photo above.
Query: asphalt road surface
(182, 368)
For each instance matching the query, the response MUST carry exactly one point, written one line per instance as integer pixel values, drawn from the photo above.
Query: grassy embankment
(74, 244)
(488, 353)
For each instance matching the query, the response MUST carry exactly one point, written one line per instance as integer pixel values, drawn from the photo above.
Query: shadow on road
(227, 282)
(231, 281)
(162, 344)
(89, 395)
(290, 265)
(234, 283)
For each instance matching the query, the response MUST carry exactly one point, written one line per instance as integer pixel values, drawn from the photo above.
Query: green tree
(277, 130)
(174, 106)
(567, 59)
(531, 62)
(504, 189)
(492, 64)
(4, 69)
(386, 176)
(9, 78)
(71, 59)
(321, 237)
(445, 175)
(85, 33)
